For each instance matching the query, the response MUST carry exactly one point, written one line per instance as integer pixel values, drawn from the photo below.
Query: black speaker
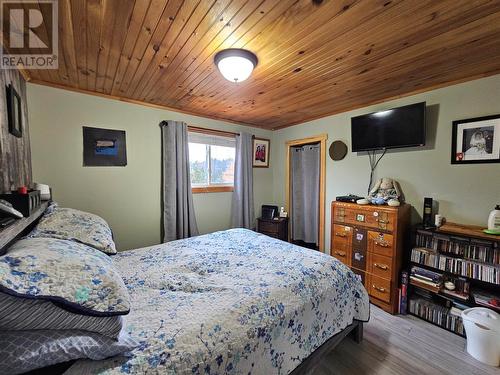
(427, 216)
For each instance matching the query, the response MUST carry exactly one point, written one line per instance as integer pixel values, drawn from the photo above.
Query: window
(211, 162)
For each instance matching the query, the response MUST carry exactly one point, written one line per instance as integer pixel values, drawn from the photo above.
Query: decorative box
(24, 203)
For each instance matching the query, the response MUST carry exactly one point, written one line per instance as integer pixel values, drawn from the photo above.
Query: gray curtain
(305, 169)
(242, 210)
(178, 220)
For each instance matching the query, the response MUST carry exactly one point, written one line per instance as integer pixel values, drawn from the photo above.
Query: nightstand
(274, 228)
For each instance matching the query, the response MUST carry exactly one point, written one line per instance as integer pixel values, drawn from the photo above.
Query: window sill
(212, 189)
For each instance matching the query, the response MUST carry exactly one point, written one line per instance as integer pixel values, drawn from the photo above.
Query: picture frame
(104, 147)
(476, 140)
(260, 152)
(14, 112)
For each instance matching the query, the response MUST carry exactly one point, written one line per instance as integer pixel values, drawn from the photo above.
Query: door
(317, 140)
(304, 184)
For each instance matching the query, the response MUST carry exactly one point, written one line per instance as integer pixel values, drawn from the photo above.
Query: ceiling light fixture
(235, 64)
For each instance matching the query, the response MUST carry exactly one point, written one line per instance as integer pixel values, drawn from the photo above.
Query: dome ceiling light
(235, 64)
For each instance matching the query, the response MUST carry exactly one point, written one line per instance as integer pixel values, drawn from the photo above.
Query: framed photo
(14, 112)
(261, 149)
(104, 147)
(476, 140)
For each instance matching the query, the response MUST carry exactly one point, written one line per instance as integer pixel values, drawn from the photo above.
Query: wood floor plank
(402, 345)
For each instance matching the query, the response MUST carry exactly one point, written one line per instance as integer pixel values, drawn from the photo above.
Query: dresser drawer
(341, 243)
(381, 220)
(272, 234)
(380, 288)
(342, 234)
(339, 214)
(360, 274)
(381, 243)
(358, 258)
(268, 227)
(342, 254)
(380, 266)
(368, 217)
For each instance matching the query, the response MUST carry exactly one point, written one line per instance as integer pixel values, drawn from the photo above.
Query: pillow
(23, 351)
(17, 313)
(77, 277)
(75, 225)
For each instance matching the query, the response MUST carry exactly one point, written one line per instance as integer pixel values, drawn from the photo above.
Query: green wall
(127, 197)
(466, 193)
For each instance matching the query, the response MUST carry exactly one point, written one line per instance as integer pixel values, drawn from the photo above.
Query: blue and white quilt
(230, 302)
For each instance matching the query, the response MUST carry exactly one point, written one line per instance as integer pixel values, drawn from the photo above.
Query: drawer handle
(380, 289)
(381, 244)
(340, 253)
(381, 266)
(341, 234)
(383, 221)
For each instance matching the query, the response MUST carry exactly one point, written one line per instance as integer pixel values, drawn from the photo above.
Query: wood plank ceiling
(315, 57)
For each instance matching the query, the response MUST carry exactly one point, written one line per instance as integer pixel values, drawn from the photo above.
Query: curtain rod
(198, 129)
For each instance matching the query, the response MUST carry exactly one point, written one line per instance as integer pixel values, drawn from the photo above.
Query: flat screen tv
(394, 128)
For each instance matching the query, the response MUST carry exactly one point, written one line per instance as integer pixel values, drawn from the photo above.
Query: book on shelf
(426, 279)
(424, 284)
(403, 301)
(426, 274)
(486, 299)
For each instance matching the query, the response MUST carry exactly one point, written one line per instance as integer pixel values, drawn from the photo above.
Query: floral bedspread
(230, 302)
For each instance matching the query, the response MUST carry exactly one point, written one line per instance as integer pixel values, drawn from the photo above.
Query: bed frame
(307, 367)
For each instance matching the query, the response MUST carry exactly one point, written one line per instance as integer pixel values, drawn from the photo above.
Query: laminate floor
(402, 345)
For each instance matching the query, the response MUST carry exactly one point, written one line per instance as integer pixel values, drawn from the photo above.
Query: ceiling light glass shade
(235, 65)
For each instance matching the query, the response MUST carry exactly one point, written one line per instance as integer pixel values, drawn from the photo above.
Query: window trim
(212, 188)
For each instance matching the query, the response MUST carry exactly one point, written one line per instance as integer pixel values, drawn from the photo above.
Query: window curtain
(242, 210)
(305, 171)
(178, 219)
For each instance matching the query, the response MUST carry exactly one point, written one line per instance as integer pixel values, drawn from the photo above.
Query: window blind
(210, 139)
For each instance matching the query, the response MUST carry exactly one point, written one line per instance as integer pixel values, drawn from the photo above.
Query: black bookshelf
(459, 254)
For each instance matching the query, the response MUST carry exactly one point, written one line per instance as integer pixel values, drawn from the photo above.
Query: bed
(232, 302)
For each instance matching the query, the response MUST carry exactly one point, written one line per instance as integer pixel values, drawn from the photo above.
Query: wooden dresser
(370, 240)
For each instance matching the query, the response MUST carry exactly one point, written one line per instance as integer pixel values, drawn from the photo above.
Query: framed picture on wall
(261, 149)
(104, 147)
(476, 140)
(14, 112)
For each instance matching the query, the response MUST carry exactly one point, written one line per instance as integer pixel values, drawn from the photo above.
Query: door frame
(321, 139)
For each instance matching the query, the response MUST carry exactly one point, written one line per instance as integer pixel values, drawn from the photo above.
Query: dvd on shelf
(473, 249)
(451, 270)
(437, 314)
(462, 267)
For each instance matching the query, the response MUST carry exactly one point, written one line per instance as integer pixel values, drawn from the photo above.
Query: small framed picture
(261, 149)
(476, 140)
(104, 147)
(14, 112)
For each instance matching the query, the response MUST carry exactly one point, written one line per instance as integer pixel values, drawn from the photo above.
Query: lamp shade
(235, 65)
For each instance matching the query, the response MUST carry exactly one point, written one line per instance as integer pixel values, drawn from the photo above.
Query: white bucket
(482, 326)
